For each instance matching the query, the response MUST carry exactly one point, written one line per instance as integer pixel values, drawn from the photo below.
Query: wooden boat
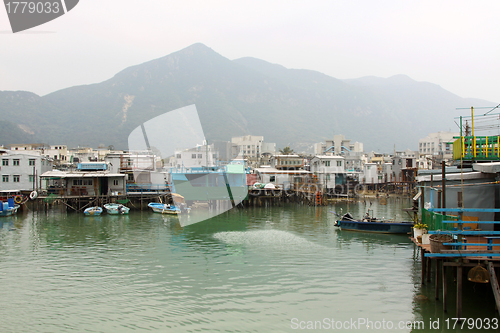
(370, 224)
(93, 211)
(164, 208)
(116, 209)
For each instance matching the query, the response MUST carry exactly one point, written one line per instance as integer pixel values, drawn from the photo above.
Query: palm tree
(286, 151)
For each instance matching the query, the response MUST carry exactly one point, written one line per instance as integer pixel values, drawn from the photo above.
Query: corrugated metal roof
(65, 174)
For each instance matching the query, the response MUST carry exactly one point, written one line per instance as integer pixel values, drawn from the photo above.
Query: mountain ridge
(294, 107)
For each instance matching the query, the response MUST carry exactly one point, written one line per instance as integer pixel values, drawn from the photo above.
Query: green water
(266, 269)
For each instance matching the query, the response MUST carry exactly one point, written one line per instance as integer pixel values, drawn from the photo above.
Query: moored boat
(164, 208)
(116, 209)
(370, 224)
(93, 211)
(8, 208)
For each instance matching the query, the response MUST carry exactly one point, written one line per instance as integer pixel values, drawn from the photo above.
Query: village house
(84, 182)
(329, 169)
(287, 162)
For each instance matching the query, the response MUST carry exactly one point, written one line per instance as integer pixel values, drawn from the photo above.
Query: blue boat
(8, 208)
(164, 208)
(93, 211)
(370, 224)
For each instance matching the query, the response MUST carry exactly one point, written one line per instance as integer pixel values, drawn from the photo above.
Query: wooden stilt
(459, 292)
(444, 288)
(429, 268)
(423, 260)
(436, 295)
(494, 285)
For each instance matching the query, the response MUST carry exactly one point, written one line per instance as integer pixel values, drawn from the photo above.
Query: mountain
(235, 97)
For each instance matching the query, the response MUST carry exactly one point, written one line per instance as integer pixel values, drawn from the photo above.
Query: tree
(286, 151)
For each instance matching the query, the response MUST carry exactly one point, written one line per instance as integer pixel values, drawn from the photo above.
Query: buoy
(18, 199)
(33, 195)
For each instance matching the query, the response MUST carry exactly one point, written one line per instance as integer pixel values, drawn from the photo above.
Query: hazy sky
(455, 44)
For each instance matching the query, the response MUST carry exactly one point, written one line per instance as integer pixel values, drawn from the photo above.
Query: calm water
(268, 269)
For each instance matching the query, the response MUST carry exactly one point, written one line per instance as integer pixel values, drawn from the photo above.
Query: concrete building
(200, 156)
(329, 170)
(30, 148)
(288, 162)
(339, 145)
(285, 179)
(439, 145)
(59, 153)
(377, 173)
(21, 171)
(404, 166)
(253, 146)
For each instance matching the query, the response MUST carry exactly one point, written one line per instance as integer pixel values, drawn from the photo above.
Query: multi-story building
(21, 171)
(329, 170)
(439, 145)
(287, 162)
(253, 146)
(59, 153)
(339, 145)
(404, 166)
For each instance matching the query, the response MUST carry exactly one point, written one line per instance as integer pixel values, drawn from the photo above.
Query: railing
(457, 233)
(484, 148)
(148, 188)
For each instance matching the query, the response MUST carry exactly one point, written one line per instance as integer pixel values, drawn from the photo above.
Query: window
(88, 182)
(5, 178)
(272, 178)
(31, 162)
(16, 178)
(31, 178)
(5, 162)
(130, 177)
(116, 182)
(178, 156)
(339, 163)
(193, 155)
(15, 162)
(77, 182)
(327, 163)
(200, 156)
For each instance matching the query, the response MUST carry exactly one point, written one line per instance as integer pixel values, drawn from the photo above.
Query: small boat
(165, 208)
(7, 210)
(116, 209)
(370, 224)
(93, 211)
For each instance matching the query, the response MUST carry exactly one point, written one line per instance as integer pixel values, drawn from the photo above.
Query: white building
(329, 169)
(282, 178)
(21, 171)
(440, 143)
(339, 145)
(58, 153)
(200, 156)
(253, 145)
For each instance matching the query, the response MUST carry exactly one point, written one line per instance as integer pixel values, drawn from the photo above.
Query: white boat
(164, 208)
(116, 209)
(93, 211)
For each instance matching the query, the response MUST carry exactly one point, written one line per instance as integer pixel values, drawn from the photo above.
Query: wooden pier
(462, 261)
